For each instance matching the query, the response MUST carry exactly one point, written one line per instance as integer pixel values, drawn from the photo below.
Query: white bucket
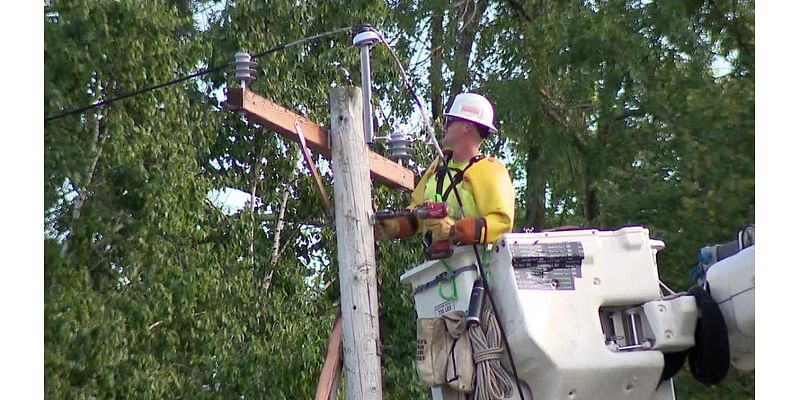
(436, 292)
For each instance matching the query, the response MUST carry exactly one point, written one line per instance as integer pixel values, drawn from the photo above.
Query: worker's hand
(469, 230)
(386, 229)
(440, 228)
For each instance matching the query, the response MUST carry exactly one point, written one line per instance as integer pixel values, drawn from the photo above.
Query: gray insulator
(399, 147)
(243, 68)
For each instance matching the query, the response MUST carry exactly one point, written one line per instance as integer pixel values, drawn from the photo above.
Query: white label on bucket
(444, 308)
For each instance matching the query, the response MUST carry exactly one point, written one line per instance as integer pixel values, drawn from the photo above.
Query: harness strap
(457, 178)
(441, 172)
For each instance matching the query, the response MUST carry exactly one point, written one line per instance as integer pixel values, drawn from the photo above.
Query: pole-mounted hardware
(244, 68)
(365, 38)
(399, 147)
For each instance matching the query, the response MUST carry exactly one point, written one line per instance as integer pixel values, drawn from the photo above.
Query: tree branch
(437, 48)
(276, 245)
(465, 37)
(83, 191)
(745, 47)
(256, 176)
(517, 9)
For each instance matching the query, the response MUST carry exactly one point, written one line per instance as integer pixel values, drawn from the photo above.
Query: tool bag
(444, 352)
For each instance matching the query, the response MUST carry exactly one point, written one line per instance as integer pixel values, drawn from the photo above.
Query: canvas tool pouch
(460, 366)
(444, 353)
(432, 341)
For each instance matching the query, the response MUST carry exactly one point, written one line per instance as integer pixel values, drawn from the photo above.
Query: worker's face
(454, 131)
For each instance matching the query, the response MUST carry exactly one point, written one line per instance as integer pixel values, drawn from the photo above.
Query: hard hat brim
(491, 127)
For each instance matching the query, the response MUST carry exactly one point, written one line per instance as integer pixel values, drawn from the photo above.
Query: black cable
(305, 39)
(134, 93)
(194, 75)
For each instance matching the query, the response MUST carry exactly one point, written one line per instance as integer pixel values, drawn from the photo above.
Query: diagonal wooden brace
(329, 378)
(283, 120)
(312, 167)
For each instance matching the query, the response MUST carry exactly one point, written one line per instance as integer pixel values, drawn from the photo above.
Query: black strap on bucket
(444, 276)
(709, 359)
(673, 362)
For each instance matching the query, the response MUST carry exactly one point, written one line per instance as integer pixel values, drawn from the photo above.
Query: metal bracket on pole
(365, 38)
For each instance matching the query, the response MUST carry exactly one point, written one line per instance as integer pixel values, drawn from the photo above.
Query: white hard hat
(474, 108)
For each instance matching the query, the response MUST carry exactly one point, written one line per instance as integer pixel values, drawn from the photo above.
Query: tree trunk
(534, 189)
(83, 187)
(465, 37)
(591, 205)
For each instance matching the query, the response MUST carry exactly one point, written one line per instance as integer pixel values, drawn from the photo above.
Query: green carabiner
(454, 294)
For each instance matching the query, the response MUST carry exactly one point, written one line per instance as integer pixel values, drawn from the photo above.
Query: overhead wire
(481, 270)
(199, 73)
(134, 93)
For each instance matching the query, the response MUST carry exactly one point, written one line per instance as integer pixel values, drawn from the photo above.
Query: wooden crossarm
(282, 120)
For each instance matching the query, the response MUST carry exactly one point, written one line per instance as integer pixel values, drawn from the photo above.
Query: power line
(202, 72)
(135, 93)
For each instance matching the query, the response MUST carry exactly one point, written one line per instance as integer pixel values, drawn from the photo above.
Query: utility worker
(483, 183)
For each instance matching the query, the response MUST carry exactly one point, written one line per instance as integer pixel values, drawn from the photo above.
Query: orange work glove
(394, 228)
(469, 230)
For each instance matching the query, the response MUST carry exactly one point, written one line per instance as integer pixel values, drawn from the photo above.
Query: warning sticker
(547, 266)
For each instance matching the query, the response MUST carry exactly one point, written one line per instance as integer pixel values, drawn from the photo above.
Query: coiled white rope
(492, 382)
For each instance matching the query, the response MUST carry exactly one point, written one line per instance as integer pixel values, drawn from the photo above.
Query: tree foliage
(611, 113)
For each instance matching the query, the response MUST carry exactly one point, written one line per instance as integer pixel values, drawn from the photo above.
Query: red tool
(432, 210)
(425, 211)
(439, 249)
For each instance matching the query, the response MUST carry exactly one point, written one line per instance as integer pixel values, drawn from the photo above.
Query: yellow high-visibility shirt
(486, 191)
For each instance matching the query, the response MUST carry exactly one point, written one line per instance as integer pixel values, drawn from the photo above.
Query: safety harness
(443, 193)
(458, 177)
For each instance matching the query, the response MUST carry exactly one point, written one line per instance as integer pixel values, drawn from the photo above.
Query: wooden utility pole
(355, 244)
(360, 281)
